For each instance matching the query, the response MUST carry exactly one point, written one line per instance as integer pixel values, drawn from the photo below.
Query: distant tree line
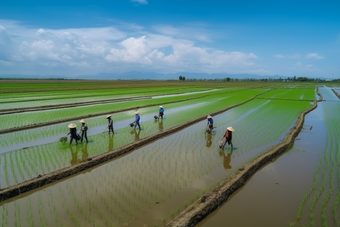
(181, 78)
(288, 79)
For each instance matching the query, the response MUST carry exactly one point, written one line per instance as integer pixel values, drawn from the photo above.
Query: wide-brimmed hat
(230, 129)
(72, 125)
(136, 112)
(108, 116)
(82, 121)
(161, 106)
(209, 116)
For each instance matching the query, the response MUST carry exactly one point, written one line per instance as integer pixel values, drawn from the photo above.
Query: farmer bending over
(228, 137)
(210, 124)
(161, 112)
(73, 132)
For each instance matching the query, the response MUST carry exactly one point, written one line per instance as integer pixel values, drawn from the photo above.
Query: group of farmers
(227, 137)
(73, 127)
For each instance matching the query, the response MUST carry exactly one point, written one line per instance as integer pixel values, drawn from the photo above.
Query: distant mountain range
(133, 75)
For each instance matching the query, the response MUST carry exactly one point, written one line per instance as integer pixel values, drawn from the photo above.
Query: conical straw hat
(72, 125)
(108, 116)
(136, 112)
(230, 128)
(209, 116)
(82, 121)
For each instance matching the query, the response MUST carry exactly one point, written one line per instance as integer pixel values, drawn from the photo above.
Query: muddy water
(273, 196)
(154, 183)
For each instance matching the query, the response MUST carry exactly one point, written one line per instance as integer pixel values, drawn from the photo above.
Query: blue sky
(288, 38)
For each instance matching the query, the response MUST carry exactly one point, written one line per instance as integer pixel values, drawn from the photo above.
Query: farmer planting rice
(228, 137)
(83, 130)
(161, 112)
(210, 124)
(73, 132)
(137, 119)
(110, 123)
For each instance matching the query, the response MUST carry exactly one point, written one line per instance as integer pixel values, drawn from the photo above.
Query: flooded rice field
(155, 183)
(300, 188)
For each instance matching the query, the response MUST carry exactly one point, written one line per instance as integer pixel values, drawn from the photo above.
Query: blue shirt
(137, 118)
(161, 110)
(210, 120)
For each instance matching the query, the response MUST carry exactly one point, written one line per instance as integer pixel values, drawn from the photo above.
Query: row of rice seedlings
(328, 166)
(72, 94)
(59, 129)
(297, 93)
(100, 147)
(185, 161)
(28, 118)
(93, 96)
(54, 147)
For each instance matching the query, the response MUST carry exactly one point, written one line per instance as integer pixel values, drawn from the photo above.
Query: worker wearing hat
(110, 123)
(161, 112)
(137, 119)
(83, 130)
(73, 132)
(210, 124)
(228, 137)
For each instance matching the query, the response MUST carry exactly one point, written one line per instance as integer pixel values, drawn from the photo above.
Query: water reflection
(85, 154)
(110, 136)
(226, 159)
(160, 125)
(74, 155)
(136, 133)
(208, 139)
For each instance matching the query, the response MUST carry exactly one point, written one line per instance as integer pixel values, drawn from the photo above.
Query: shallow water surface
(272, 197)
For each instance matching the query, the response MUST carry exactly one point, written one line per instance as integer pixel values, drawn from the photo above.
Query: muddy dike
(211, 200)
(336, 93)
(42, 180)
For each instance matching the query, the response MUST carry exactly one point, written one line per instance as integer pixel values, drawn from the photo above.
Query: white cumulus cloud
(113, 49)
(141, 1)
(314, 56)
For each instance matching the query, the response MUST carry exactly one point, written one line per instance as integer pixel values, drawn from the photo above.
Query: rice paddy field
(155, 182)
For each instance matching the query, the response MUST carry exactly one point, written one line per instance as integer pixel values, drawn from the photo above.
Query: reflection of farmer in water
(226, 160)
(160, 125)
(111, 142)
(84, 151)
(137, 135)
(208, 138)
(74, 155)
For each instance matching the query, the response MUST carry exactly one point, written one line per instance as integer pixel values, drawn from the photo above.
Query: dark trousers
(137, 123)
(72, 137)
(229, 142)
(84, 134)
(111, 129)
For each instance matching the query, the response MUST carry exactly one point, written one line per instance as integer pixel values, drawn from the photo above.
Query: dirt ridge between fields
(211, 200)
(336, 93)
